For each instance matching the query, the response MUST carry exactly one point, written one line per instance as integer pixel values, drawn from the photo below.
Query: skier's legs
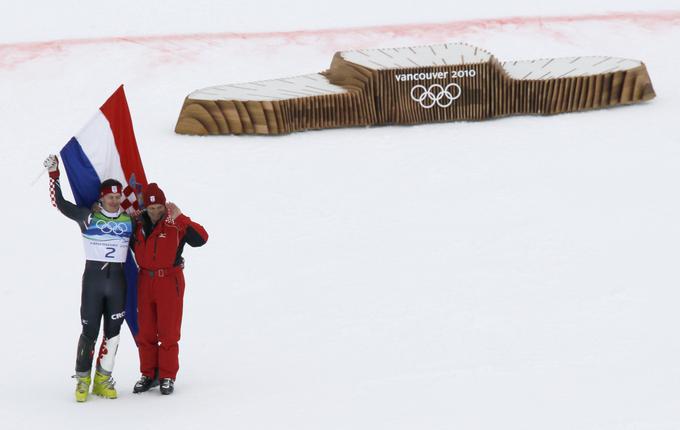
(147, 337)
(114, 315)
(170, 297)
(84, 354)
(91, 306)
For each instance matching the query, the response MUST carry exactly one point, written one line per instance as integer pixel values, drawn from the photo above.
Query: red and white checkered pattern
(130, 202)
(53, 197)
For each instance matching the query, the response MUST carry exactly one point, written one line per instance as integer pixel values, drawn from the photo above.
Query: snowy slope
(519, 273)
(42, 20)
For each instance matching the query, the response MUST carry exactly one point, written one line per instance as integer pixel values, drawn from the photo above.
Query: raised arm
(195, 235)
(76, 213)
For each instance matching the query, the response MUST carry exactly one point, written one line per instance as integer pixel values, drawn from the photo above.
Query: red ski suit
(158, 251)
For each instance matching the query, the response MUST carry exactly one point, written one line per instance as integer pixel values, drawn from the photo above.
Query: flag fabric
(106, 148)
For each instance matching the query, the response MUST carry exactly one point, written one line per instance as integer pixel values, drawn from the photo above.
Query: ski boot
(145, 384)
(104, 386)
(82, 387)
(167, 385)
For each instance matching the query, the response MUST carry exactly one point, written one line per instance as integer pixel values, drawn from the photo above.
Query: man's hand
(51, 163)
(96, 207)
(134, 213)
(173, 211)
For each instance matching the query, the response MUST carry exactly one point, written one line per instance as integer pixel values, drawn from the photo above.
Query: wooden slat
(376, 97)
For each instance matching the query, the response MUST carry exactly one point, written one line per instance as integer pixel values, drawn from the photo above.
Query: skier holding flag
(105, 148)
(106, 233)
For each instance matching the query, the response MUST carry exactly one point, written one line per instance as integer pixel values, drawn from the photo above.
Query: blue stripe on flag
(81, 175)
(131, 273)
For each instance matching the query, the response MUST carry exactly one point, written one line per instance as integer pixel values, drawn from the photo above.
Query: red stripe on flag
(116, 111)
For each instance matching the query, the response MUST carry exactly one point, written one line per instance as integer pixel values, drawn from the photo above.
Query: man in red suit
(158, 242)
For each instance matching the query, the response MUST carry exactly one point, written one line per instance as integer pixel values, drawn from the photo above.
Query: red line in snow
(659, 17)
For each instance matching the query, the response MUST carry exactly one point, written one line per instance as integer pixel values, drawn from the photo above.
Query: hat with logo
(153, 195)
(110, 186)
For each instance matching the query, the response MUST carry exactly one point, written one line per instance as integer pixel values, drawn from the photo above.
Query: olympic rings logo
(435, 95)
(107, 227)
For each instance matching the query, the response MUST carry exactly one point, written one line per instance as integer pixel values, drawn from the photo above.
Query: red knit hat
(153, 195)
(110, 186)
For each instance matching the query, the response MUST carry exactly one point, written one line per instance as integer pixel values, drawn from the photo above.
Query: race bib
(107, 239)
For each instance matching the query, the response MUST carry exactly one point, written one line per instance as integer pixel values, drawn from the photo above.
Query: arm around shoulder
(195, 234)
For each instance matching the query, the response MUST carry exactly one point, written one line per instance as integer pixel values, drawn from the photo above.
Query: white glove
(51, 163)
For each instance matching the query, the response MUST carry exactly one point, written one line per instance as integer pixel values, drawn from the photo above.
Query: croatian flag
(106, 148)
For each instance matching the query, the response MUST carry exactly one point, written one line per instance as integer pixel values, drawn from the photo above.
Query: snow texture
(519, 273)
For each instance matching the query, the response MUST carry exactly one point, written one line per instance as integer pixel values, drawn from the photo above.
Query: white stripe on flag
(96, 139)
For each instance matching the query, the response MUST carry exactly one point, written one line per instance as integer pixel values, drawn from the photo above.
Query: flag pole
(42, 172)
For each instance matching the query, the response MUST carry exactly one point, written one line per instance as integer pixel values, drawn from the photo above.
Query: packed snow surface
(520, 273)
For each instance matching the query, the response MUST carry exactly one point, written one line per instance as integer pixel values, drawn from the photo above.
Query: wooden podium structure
(414, 85)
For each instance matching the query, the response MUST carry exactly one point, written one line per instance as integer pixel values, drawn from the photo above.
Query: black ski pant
(103, 295)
